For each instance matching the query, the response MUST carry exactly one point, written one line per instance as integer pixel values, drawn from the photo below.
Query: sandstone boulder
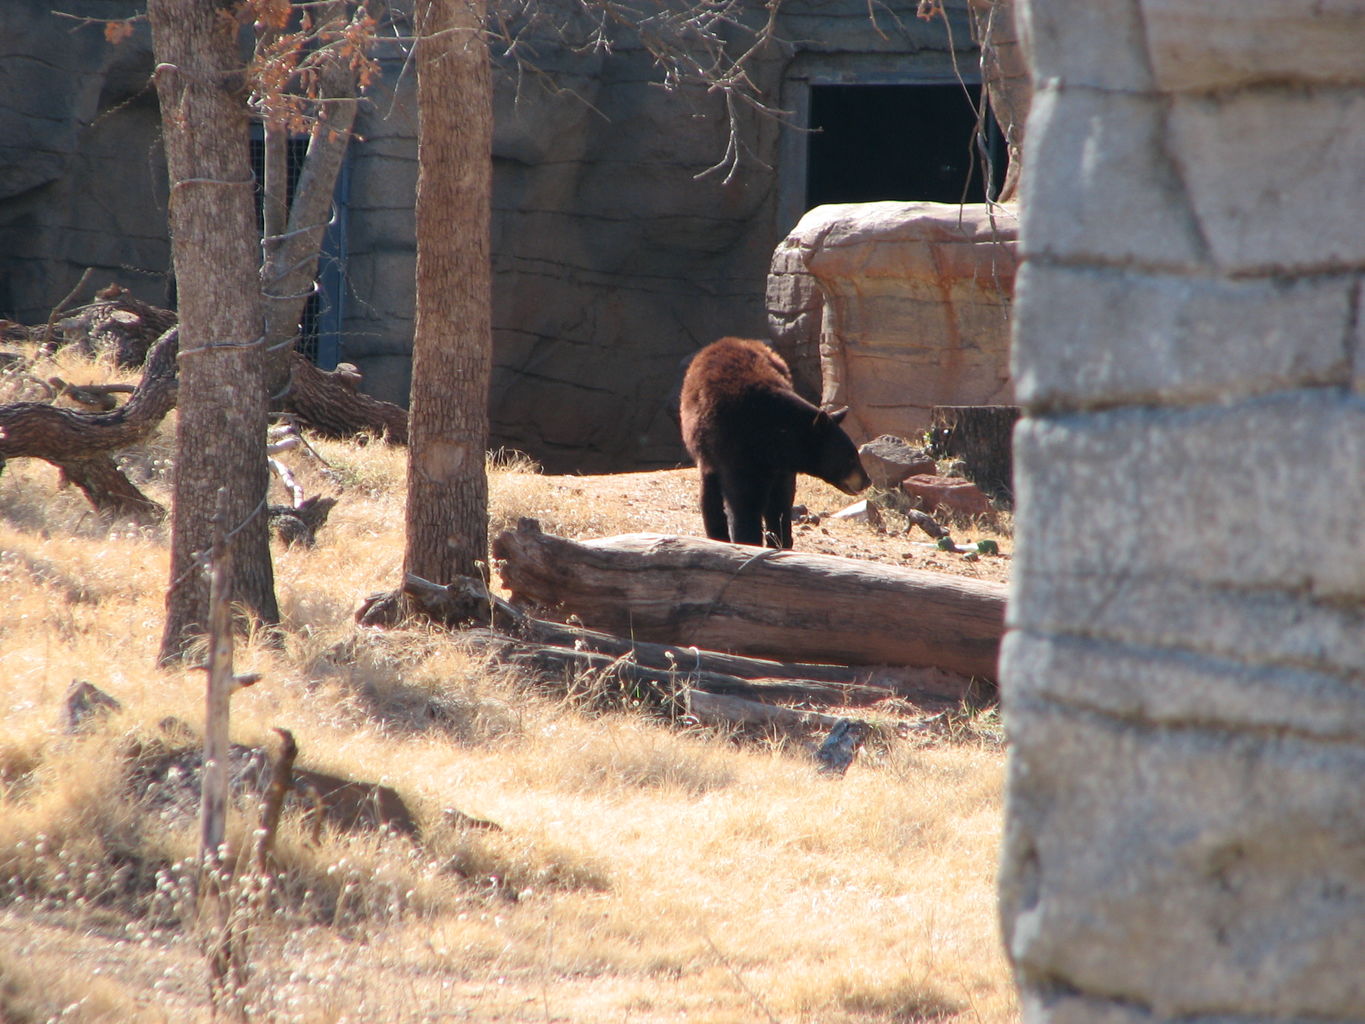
(915, 307)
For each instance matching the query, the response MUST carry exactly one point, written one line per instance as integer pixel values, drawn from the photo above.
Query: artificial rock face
(893, 308)
(1183, 670)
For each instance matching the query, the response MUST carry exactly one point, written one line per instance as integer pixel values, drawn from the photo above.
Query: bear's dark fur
(750, 434)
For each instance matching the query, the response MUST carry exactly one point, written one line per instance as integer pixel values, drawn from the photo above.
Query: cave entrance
(898, 142)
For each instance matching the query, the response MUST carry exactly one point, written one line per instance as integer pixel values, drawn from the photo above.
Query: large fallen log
(787, 604)
(330, 403)
(491, 624)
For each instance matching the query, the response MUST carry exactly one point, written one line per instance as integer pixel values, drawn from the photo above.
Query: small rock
(951, 493)
(889, 460)
(86, 702)
(857, 512)
(836, 752)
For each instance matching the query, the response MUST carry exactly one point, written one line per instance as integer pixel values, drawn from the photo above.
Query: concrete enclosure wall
(1184, 673)
(613, 259)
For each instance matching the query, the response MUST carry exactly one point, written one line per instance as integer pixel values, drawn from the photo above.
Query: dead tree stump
(332, 405)
(982, 437)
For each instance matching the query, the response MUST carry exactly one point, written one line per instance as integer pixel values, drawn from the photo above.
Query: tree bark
(467, 603)
(1008, 85)
(714, 708)
(328, 403)
(752, 601)
(43, 431)
(983, 437)
(447, 507)
(555, 660)
(80, 443)
(220, 439)
(292, 240)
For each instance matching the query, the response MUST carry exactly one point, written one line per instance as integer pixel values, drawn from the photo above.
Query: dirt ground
(667, 502)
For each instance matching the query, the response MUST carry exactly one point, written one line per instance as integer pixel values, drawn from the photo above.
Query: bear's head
(836, 458)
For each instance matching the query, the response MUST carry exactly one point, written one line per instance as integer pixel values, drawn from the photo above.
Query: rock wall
(894, 308)
(1184, 673)
(82, 178)
(614, 259)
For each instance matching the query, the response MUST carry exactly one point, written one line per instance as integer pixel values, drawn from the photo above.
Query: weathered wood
(108, 489)
(754, 601)
(92, 397)
(40, 430)
(665, 683)
(722, 709)
(331, 404)
(688, 659)
(467, 602)
(80, 442)
(117, 322)
(217, 691)
(281, 778)
(982, 436)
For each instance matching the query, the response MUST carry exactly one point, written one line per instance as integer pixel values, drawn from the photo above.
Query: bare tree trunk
(447, 508)
(294, 229)
(1005, 75)
(220, 439)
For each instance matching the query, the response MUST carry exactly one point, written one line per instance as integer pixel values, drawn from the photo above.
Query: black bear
(750, 434)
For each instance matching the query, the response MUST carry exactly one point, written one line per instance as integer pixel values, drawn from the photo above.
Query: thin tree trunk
(293, 237)
(447, 507)
(220, 438)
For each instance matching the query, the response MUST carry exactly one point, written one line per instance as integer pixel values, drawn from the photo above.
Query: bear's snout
(855, 482)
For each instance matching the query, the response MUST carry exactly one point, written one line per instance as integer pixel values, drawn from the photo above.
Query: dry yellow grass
(644, 873)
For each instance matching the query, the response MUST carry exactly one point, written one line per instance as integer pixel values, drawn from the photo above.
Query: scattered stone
(889, 460)
(86, 703)
(836, 752)
(952, 494)
(856, 512)
(169, 779)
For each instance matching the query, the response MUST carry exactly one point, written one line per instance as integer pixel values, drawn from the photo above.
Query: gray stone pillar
(1184, 674)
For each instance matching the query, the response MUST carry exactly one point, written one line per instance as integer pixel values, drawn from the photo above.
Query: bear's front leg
(713, 507)
(744, 502)
(777, 512)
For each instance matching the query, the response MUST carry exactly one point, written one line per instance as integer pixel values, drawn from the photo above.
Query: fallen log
(721, 709)
(665, 684)
(467, 601)
(758, 601)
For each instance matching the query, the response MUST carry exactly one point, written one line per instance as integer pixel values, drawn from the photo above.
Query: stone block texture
(1184, 668)
(912, 304)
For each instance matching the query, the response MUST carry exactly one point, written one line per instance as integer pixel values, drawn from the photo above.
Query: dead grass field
(645, 872)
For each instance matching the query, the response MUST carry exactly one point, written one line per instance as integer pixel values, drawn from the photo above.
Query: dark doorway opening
(898, 142)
